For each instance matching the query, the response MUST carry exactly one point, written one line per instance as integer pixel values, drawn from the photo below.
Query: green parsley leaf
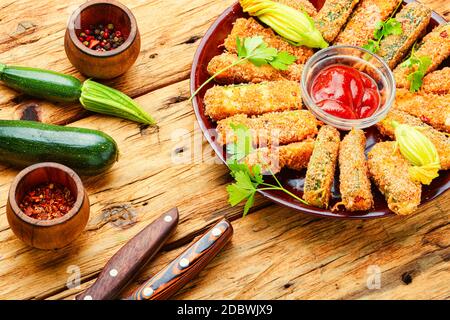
(256, 51)
(383, 29)
(249, 204)
(372, 46)
(392, 26)
(242, 146)
(247, 179)
(242, 188)
(416, 79)
(420, 67)
(282, 61)
(259, 53)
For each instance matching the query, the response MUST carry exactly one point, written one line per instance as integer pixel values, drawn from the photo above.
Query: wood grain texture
(131, 258)
(282, 254)
(186, 266)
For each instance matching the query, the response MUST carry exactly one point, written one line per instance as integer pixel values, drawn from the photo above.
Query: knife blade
(127, 262)
(186, 266)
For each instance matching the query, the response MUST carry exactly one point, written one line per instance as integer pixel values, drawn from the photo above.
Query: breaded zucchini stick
(301, 5)
(435, 45)
(440, 140)
(362, 22)
(271, 128)
(430, 108)
(321, 167)
(332, 17)
(414, 18)
(389, 170)
(354, 179)
(437, 82)
(293, 156)
(246, 28)
(247, 72)
(252, 99)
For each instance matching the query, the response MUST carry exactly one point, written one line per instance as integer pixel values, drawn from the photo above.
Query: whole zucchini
(40, 83)
(89, 152)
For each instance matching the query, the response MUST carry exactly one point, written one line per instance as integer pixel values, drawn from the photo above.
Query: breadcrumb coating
(246, 28)
(293, 156)
(440, 140)
(301, 5)
(354, 179)
(274, 128)
(432, 109)
(333, 16)
(321, 168)
(252, 99)
(247, 72)
(437, 82)
(362, 22)
(389, 170)
(414, 18)
(435, 45)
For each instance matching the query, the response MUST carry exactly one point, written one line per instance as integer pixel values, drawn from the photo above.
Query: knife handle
(127, 262)
(186, 266)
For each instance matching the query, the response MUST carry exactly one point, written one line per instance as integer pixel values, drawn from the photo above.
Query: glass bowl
(362, 60)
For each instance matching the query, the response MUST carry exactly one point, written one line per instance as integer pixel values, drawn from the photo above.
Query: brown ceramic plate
(210, 46)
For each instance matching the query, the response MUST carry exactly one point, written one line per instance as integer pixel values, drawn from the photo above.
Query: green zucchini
(40, 83)
(55, 86)
(89, 152)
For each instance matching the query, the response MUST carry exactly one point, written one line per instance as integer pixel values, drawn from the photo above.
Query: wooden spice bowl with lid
(106, 64)
(47, 234)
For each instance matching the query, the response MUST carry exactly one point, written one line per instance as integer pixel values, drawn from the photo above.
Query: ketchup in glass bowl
(348, 87)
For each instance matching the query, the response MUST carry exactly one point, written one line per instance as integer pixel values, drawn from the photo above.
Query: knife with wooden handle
(127, 262)
(186, 266)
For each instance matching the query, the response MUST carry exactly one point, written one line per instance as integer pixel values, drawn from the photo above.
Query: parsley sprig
(248, 180)
(383, 29)
(257, 52)
(421, 65)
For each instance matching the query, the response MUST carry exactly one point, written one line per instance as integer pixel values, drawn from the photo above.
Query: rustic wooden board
(275, 253)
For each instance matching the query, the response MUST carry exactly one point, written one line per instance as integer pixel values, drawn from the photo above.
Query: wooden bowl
(47, 234)
(107, 64)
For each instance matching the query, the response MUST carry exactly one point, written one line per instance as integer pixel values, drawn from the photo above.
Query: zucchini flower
(419, 151)
(295, 26)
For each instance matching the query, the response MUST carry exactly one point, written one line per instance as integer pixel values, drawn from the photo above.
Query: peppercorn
(101, 38)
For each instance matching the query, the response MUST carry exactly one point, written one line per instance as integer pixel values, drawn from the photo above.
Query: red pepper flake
(93, 43)
(425, 119)
(47, 201)
(444, 34)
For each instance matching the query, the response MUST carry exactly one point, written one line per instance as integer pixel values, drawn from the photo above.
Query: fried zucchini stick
(247, 72)
(437, 82)
(332, 17)
(362, 22)
(293, 156)
(435, 45)
(301, 5)
(252, 99)
(354, 179)
(247, 28)
(414, 18)
(321, 167)
(389, 170)
(430, 108)
(271, 128)
(440, 140)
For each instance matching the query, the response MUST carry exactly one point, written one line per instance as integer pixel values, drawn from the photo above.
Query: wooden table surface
(275, 253)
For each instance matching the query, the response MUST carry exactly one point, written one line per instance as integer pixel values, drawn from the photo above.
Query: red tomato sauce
(345, 92)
